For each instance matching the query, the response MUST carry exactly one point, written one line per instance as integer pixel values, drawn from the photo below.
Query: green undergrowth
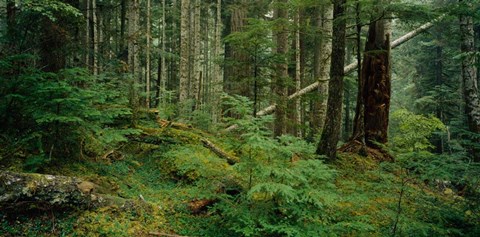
(280, 188)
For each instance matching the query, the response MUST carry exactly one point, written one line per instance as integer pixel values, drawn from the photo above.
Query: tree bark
(133, 57)
(94, 37)
(123, 20)
(148, 60)
(196, 77)
(217, 70)
(281, 75)
(11, 22)
(469, 76)
(376, 77)
(333, 122)
(322, 54)
(238, 65)
(298, 77)
(184, 52)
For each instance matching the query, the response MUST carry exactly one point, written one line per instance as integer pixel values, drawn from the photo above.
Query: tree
(184, 51)
(133, 56)
(281, 74)
(321, 65)
(333, 122)
(469, 74)
(373, 100)
(217, 70)
(148, 60)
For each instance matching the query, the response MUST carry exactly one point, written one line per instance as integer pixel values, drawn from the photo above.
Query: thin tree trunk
(439, 81)
(281, 75)
(148, 61)
(358, 124)
(322, 54)
(333, 122)
(11, 15)
(162, 72)
(184, 51)
(123, 19)
(94, 37)
(298, 79)
(197, 66)
(87, 33)
(217, 70)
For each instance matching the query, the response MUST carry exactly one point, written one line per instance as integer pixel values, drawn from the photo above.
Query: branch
(347, 69)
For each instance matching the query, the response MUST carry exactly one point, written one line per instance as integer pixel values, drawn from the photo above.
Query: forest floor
(167, 168)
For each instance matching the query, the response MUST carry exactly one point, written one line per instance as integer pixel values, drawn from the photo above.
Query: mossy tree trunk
(28, 191)
(331, 130)
(469, 76)
(373, 99)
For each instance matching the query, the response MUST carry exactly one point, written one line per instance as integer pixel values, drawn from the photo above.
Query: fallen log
(219, 152)
(27, 191)
(347, 69)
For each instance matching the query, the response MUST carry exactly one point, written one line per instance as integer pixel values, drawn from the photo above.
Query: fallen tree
(27, 191)
(347, 69)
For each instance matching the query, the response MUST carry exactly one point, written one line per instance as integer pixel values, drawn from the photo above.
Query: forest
(184, 118)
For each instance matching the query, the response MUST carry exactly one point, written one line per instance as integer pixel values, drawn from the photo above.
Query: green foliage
(58, 115)
(411, 132)
(51, 9)
(285, 189)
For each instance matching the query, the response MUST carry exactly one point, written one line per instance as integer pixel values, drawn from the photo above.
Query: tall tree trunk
(298, 77)
(373, 99)
(162, 67)
(238, 65)
(87, 33)
(469, 76)
(123, 20)
(217, 70)
(148, 60)
(333, 122)
(11, 15)
(321, 61)
(377, 88)
(133, 57)
(358, 124)
(94, 37)
(439, 143)
(303, 65)
(281, 75)
(197, 66)
(184, 51)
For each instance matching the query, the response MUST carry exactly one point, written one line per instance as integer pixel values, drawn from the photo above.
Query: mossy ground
(166, 174)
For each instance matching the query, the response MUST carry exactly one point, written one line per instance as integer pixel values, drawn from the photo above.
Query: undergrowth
(279, 188)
